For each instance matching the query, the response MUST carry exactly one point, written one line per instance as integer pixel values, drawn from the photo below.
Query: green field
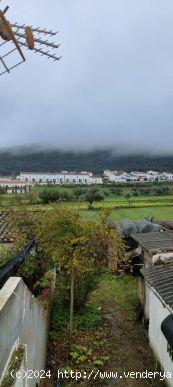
(157, 207)
(161, 213)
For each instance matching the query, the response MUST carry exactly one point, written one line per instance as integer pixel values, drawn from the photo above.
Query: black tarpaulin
(167, 329)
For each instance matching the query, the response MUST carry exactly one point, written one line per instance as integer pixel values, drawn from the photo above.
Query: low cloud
(113, 87)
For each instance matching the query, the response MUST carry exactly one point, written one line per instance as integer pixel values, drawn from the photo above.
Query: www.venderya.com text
(77, 375)
(92, 375)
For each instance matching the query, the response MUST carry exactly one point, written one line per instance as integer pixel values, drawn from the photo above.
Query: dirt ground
(126, 338)
(130, 351)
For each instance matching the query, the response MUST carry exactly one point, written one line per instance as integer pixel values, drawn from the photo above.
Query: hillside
(96, 161)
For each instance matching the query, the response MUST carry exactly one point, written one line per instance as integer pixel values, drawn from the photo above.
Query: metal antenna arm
(6, 9)
(13, 37)
(45, 42)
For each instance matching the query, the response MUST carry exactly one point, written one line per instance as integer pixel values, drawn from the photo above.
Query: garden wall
(22, 321)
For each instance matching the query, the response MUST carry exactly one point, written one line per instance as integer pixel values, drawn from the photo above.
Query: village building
(13, 186)
(96, 180)
(157, 304)
(116, 176)
(165, 176)
(137, 177)
(63, 177)
(154, 246)
(152, 176)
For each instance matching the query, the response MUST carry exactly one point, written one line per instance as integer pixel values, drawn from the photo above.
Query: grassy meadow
(156, 206)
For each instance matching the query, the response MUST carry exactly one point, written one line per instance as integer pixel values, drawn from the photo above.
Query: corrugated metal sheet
(161, 279)
(154, 241)
(6, 235)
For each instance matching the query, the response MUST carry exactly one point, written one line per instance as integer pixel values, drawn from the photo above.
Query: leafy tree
(78, 192)
(136, 192)
(116, 191)
(128, 198)
(75, 247)
(65, 196)
(69, 246)
(2, 191)
(49, 195)
(93, 195)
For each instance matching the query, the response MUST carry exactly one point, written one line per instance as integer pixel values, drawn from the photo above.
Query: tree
(128, 197)
(136, 192)
(93, 194)
(116, 191)
(70, 245)
(49, 195)
(65, 196)
(75, 247)
(78, 192)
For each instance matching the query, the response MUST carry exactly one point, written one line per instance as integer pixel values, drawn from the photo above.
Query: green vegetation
(93, 194)
(91, 305)
(76, 248)
(119, 289)
(132, 202)
(4, 255)
(104, 327)
(15, 364)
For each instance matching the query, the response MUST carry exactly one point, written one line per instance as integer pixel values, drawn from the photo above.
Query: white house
(116, 176)
(135, 176)
(165, 176)
(152, 176)
(96, 180)
(158, 309)
(63, 177)
(14, 186)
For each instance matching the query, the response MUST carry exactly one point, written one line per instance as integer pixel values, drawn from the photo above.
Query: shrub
(79, 192)
(65, 196)
(88, 318)
(116, 191)
(49, 195)
(83, 286)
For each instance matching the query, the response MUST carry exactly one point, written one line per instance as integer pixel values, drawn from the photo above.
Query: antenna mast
(15, 37)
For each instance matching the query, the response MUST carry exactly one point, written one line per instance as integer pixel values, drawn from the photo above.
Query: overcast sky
(114, 85)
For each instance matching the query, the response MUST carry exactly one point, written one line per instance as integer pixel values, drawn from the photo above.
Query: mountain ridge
(96, 161)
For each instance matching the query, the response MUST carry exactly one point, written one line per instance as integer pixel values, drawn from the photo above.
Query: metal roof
(6, 234)
(6, 224)
(161, 279)
(155, 241)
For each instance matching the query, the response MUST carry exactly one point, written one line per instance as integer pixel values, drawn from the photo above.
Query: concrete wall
(24, 321)
(157, 313)
(143, 293)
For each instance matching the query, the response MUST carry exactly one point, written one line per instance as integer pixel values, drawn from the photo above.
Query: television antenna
(14, 38)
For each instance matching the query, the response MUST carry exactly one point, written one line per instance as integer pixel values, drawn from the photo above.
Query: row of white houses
(64, 177)
(149, 176)
(25, 179)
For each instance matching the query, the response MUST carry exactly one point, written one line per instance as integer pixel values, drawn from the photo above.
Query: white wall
(58, 178)
(157, 313)
(24, 321)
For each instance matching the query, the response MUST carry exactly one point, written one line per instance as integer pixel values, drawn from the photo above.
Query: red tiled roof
(12, 182)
